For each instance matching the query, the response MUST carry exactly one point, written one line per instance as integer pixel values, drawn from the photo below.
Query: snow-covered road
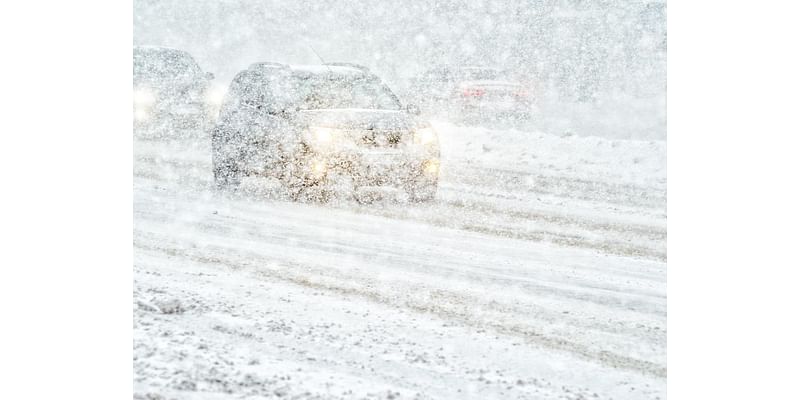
(539, 272)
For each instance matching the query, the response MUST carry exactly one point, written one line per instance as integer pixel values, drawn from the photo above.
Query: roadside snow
(636, 162)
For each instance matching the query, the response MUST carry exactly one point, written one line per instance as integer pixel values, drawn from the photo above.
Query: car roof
(321, 70)
(332, 68)
(330, 71)
(158, 48)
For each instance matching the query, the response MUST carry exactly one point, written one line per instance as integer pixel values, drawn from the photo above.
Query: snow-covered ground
(538, 273)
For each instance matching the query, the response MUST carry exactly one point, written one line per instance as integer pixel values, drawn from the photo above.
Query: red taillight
(473, 92)
(521, 93)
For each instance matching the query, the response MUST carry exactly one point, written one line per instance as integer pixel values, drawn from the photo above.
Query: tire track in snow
(438, 303)
(572, 234)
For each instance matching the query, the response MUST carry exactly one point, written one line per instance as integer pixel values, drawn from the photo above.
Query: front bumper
(374, 168)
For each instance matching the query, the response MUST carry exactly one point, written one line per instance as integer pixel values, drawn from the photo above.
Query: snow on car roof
(328, 69)
(157, 48)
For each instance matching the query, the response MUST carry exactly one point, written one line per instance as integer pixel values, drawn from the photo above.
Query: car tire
(226, 173)
(226, 176)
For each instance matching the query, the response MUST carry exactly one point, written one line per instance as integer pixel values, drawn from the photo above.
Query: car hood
(368, 119)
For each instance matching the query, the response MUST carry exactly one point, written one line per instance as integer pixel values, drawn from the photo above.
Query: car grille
(378, 138)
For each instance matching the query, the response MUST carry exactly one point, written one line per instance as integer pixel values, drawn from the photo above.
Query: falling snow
(399, 200)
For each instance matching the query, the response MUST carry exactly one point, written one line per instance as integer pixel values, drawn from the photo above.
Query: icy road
(538, 273)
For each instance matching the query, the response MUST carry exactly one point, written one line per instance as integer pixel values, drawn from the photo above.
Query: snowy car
(471, 94)
(169, 88)
(316, 127)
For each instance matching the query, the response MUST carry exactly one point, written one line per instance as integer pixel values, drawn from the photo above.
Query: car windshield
(260, 88)
(152, 64)
(345, 93)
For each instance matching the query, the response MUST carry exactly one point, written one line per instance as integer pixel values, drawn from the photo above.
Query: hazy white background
(596, 67)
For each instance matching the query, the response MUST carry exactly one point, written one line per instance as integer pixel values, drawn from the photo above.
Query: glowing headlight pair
(425, 136)
(143, 97)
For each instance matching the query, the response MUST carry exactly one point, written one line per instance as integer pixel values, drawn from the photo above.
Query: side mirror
(209, 76)
(413, 109)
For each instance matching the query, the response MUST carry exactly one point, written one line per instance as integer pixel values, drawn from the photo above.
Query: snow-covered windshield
(345, 93)
(159, 64)
(274, 91)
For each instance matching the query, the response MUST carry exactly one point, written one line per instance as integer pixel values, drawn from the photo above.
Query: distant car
(315, 126)
(471, 94)
(169, 87)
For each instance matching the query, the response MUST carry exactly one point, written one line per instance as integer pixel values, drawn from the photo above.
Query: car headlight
(319, 167)
(431, 167)
(425, 136)
(141, 114)
(322, 135)
(143, 97)
(215, 94)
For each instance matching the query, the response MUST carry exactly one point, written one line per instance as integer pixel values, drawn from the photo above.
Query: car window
(345, 93)
(163, 64)
(257, 88)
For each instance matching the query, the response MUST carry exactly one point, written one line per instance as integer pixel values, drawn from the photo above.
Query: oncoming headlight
(425, 136)
(431, 167)
(322, 135)
(143, 97)
(215, 94)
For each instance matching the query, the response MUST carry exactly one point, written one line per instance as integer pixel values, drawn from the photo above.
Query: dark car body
(313, 126)
(168, 87)
(471, 94)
